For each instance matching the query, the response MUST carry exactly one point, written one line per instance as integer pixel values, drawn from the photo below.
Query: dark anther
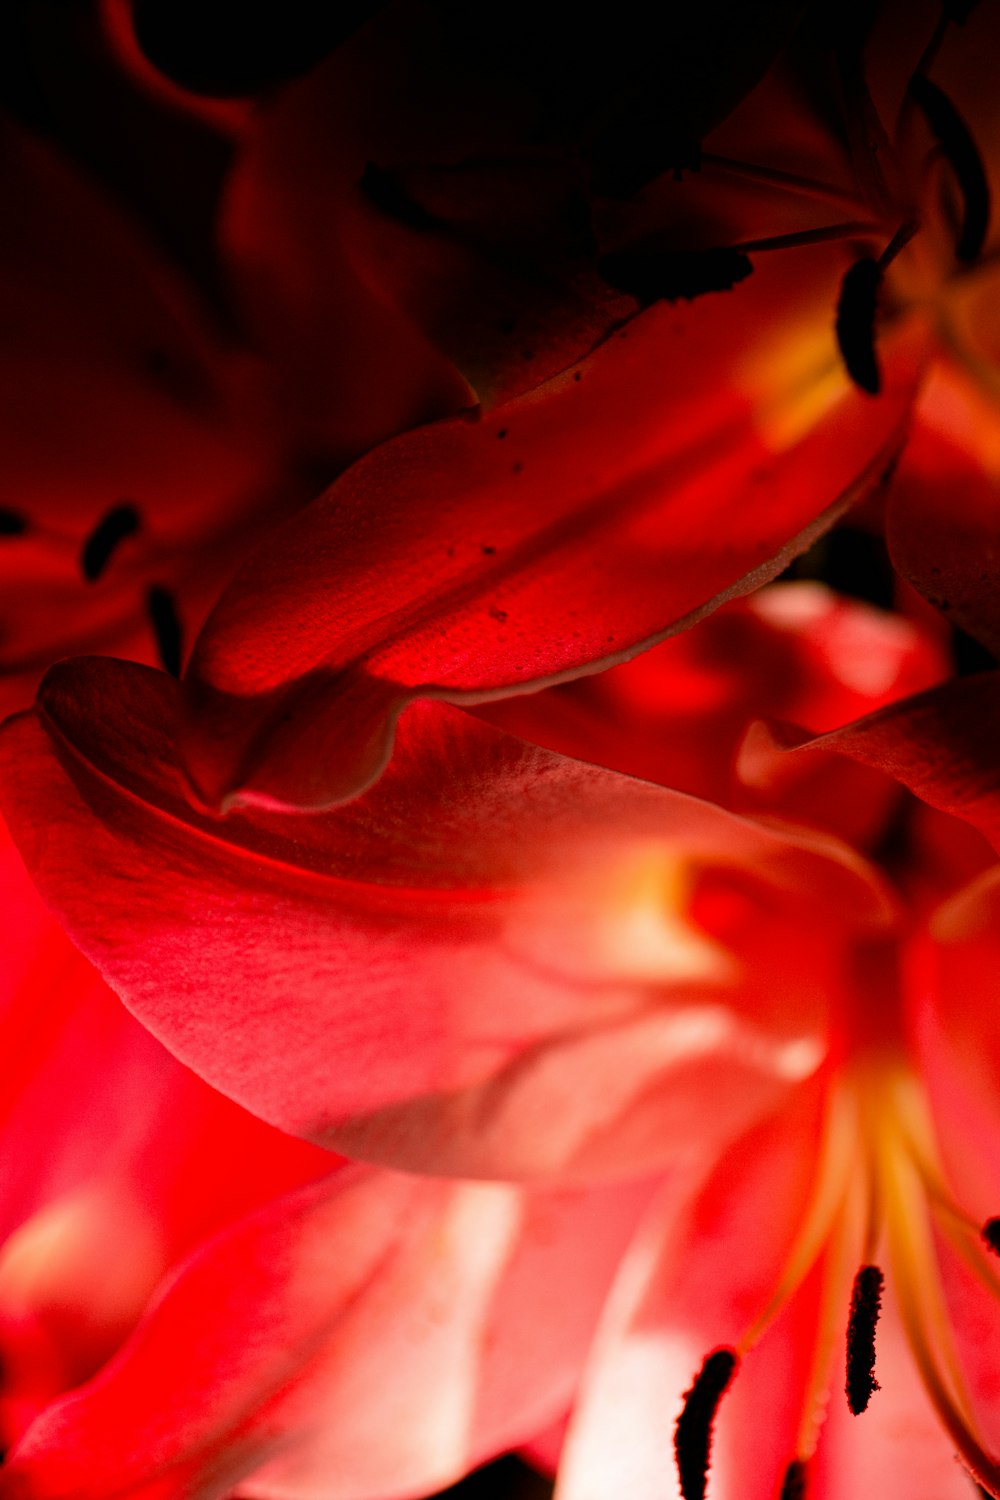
(991, 1234)
(793, 1486)
(649, 275)
(856, 324)
(866, 1303)
(387, 192)
(693, 1433)
(963, 157)
(166, 625)
(113, 527)
(11, 524)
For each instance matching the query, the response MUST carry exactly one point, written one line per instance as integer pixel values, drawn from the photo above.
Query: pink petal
(368, 1336)
(116, 1161)
(448, 972)
(498, 1292)
(954, 1027)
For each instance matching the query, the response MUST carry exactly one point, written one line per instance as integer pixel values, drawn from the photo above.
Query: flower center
(879, 1193)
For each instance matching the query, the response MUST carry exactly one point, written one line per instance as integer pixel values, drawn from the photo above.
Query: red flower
(702, 444)
(521, 967)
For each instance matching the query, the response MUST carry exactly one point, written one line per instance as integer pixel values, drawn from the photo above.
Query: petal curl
(941, 744)
(685, 462)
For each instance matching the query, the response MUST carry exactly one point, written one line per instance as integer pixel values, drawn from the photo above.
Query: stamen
(866, 1303)
(991, 1234)
(962, 154)
(855, 326)
(11, 524)
(693, 1433)
(166, 625)
(823, 234)
(789, 182)
(113, 527)
(793, 1486)
(649, 275)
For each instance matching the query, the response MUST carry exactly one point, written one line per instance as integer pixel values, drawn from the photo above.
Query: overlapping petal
(940, 744)
(678, 714)
(597, 514)
(457, 173)
(114, 1161)
(446, 973)
(368, 1336)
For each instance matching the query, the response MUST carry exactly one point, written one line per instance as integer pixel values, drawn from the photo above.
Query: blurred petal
(363, 1338)
(941, 744)
(257, 1303)
(114, 1161)
(499, 1292)
(447, 973)
(677, 714)
(949, 550)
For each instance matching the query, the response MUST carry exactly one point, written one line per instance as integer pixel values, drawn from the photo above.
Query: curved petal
(257, 1303)
(448, 972)
(683, 463)
(501, 1291)
(229, 116)
(676, 714)
(365, 1337)
(941, 744)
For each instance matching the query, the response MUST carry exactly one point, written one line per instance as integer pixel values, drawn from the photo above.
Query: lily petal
(365, 1337)
(685, 462)
(430, 975)
(701, 1270)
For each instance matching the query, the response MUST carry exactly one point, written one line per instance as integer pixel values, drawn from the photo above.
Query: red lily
(519, 966)
(684, 460)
